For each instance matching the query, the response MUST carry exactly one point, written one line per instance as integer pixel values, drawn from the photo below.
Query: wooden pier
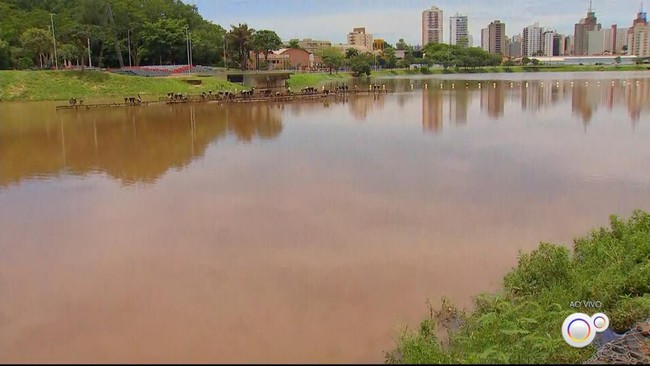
(223, 98)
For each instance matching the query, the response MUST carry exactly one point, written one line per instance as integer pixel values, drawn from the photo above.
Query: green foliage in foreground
(522, 324)
(63, 85)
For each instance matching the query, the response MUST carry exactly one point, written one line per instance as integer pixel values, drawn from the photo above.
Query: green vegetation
(315, 79)
(63, 85)
(155, 30)
(522, 323)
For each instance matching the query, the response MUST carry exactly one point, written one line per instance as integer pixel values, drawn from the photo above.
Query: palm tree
(240, 40)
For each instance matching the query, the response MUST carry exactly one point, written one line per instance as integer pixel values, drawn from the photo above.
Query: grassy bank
(63, 85)
(522, 323)
(502, 69)
(315, 79)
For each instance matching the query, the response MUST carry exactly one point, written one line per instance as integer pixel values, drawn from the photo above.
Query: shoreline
(63, 85)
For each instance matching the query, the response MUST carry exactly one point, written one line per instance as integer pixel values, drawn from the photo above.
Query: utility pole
(56, 61)
(128, 38)
(191, 55)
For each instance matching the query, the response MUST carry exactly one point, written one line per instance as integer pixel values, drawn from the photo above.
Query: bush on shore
(522, 323)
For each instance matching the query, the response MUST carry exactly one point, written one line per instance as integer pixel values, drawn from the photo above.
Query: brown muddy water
(297, 232)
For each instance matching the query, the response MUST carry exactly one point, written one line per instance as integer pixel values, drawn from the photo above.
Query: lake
(307, 231)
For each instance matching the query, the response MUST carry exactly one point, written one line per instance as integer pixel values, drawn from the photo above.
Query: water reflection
(130, 144)
(141, 144)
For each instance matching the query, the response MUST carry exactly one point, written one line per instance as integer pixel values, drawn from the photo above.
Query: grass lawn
(315, 79)
(63, 85)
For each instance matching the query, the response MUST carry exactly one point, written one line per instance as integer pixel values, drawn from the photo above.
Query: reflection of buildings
(493, 99)
(130, 144)
(432, 114)
(458, 105)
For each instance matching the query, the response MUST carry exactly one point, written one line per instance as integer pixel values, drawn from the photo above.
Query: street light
(128, 37)
(225, 58)
(56, 61)
(187, 46)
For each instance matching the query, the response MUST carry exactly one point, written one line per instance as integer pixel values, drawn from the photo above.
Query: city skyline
(392, 20)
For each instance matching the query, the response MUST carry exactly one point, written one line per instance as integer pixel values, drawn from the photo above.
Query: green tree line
(154, 31)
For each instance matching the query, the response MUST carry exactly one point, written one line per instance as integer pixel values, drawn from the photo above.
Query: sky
(394, 19)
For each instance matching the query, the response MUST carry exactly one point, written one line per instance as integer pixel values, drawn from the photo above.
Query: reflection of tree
(360, 105)
(130, 144)
(250, 120)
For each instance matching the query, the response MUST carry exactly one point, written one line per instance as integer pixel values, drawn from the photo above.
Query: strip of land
(63, 85)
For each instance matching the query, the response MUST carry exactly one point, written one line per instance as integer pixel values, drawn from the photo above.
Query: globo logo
(579, 329)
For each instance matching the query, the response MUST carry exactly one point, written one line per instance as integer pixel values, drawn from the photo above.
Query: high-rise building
(497, 37)
(547, 42)
(470, 40)
(621, 40)
(359, 37)
(458, 31)
(639, 35)
(581, 35)
(432, 26)
(515, 46)
(552, 43)
(533, 42)
(569, 43)
(485, 39)
(596, 42)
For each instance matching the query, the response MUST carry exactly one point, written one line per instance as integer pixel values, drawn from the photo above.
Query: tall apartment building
(569, 45)
(485, 39)
(581, 32)
(639, 36)
(497, 37)
(458, 30)
(533, 41)
(602, 41)
(552, 43)
(621, 40)
(432, 26)
(359, 37)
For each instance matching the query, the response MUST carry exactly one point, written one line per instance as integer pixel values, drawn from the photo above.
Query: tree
(67, 52)
(266, 41)
(539, 53)
(535, 62)
(525, 61)
(390, 58)
(166, 39)
(617, 60)
(401, 45)
(332, 58)
(38, 42)
(360, 64)
(240, 41)
(293, 43)
(508, 63)
(351, 52)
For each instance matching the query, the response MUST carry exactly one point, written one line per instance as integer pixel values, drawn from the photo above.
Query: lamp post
(128, 37)
(56, 61)
(225, 59)
(187, 46)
